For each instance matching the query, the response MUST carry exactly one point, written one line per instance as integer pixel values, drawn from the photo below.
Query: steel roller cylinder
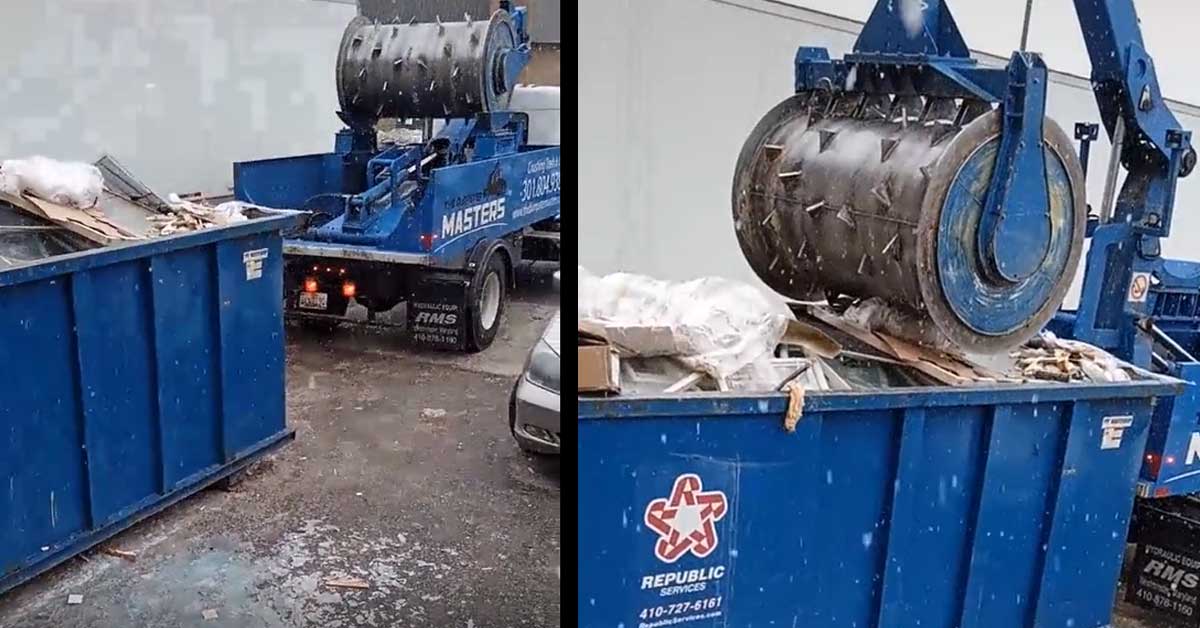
(882, 197)
(424, 69)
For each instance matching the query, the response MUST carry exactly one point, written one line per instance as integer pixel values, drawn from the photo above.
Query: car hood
(551, 335)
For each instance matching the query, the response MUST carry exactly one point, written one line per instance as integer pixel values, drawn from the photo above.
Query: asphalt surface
(403, 474)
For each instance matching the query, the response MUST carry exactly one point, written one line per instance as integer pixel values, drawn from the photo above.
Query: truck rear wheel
(488, 297)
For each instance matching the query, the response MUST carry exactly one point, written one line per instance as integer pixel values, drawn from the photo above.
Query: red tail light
(349, 289)
(427, 241)
(310, 284)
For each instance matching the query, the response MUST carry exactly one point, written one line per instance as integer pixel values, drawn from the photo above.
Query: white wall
(176, 89)
(666, 102)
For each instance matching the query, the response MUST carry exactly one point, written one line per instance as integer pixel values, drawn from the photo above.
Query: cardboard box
(599, 369)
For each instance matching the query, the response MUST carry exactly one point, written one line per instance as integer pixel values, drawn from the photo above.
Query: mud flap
(437, 312)
(1165, 574)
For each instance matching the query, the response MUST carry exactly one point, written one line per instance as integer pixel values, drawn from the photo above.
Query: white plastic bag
(74, 184)
(230, 212)
(712, 325)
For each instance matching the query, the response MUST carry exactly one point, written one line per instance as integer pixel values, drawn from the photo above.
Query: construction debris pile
(643, 336)
(186, 215)
(1047, 357)
(103, 204)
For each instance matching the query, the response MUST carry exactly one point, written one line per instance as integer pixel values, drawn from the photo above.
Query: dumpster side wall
(131, 381)
(933, 515)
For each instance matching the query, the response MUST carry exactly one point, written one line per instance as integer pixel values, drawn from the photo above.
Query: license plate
(314, 301)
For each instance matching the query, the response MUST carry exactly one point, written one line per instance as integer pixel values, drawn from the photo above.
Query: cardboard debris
(811, 340)
(209, 614)
(599, 364)
(90, 224)
(74, 598)
(599, 369)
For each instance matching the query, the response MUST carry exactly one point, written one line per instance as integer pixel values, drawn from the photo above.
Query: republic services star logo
(685, 520)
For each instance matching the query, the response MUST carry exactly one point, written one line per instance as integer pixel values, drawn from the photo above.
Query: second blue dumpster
(132, 377)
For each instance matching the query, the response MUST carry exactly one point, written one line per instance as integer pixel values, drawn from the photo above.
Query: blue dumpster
(130, 378)
(940, 508)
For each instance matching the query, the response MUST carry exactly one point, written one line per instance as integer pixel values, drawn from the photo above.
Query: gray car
(533, 412)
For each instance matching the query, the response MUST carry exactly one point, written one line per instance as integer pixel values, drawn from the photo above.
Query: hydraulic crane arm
(1154, 148)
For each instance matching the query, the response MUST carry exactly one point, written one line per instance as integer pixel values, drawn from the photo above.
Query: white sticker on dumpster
(1113, 430)
(254, 263)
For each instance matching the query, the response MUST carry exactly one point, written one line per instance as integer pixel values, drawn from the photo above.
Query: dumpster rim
(141, 249)
(730, 404)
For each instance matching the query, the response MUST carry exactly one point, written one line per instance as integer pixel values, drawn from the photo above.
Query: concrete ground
(444, 517)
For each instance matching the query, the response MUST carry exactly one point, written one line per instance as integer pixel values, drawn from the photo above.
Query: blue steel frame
(1134, 303)
(1128, 288)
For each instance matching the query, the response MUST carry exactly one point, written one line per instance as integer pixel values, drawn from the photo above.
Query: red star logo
(685, 520)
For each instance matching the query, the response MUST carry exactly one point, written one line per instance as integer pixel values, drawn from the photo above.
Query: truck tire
(487, 298)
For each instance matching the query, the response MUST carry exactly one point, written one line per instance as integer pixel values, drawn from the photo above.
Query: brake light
(427, 241)
(348, 289)
(310, 284)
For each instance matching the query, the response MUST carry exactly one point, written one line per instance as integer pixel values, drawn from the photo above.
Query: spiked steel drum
(424, 69)
(882, 197)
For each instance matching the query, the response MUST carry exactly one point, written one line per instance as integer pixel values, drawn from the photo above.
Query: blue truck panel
(994, 507)
(459, 221)
(133, 377)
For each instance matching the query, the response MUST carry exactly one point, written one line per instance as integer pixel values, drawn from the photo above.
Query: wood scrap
(1047, 358)
(183, 217)
(685, 384)
(118, 553)
(347, 583)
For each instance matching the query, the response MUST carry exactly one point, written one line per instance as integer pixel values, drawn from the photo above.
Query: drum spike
(940, 135)
(826, 137)
(895, 239)
(887, 147)
(845, 216)
(884, 195)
